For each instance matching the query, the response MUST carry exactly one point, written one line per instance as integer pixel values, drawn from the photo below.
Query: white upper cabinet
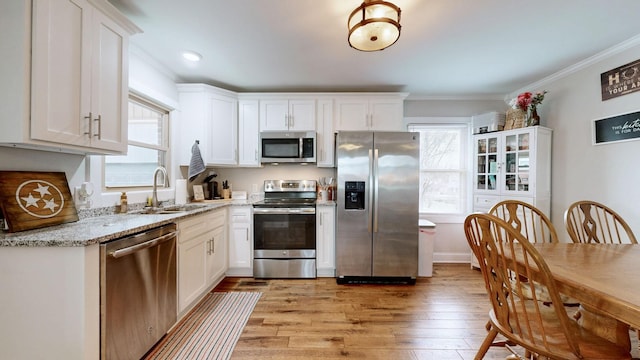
(209, 115)
(222, 130)
(287, 115)
(325, 139)
(248, 133)
(79, 78)
(370, 113)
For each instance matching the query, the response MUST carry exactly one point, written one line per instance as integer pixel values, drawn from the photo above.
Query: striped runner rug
(210, 331)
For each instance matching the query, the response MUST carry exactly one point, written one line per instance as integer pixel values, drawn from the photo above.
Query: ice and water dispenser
(354, 195)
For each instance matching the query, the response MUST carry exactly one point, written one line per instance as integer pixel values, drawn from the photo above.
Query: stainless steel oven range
(284, 241)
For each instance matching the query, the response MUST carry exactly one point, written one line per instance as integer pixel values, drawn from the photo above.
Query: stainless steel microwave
(288, 147)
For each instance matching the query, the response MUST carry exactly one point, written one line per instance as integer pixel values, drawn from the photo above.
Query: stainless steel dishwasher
(138, 296)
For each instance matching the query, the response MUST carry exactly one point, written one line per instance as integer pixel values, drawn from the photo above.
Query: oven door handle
(147, 244)
(284, 210)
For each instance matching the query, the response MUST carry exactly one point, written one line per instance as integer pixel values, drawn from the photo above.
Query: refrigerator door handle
(370, 206)
(375, 189)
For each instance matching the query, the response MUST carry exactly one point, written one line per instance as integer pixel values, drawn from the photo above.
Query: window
(443, 168)
(148, 147)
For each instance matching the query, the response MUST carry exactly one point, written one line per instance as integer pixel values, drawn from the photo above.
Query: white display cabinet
(513, 164)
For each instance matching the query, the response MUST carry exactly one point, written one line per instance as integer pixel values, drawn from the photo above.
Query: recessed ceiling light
(192, 56)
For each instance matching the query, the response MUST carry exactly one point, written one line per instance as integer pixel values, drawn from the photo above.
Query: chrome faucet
(154, 196)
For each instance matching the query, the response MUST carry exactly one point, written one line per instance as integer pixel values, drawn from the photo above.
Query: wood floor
(442, 318)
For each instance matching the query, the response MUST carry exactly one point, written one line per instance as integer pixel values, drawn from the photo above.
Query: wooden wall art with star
(32, 200)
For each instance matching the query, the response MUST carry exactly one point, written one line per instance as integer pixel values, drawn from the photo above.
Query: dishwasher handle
(147, 244)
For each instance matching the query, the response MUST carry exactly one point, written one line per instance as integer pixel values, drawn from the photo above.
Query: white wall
(15, 159)
(606, 173)
(580, 170)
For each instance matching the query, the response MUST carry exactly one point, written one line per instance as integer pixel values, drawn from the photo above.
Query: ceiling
(447, 48)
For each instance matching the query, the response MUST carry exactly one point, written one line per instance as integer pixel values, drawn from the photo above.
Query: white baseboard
(463, 258)
(326, 272)
(239, 272)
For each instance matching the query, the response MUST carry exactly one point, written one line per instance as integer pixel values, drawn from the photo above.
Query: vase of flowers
(528, 102)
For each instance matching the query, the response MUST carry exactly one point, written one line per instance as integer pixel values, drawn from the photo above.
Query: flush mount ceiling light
(374, 25)
(191, 56)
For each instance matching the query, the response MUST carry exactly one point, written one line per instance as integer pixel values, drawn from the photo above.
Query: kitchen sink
(171, 209)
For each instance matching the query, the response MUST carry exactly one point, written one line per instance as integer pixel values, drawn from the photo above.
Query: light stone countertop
(99, 229)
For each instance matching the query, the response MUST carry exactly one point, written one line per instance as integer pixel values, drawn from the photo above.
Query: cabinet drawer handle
(99, 134)
(90, 117)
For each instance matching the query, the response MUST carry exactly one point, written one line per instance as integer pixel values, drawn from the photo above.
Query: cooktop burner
(285, 202)
(286, 193)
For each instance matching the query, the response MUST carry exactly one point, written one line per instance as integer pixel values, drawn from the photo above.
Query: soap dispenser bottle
(123, 202)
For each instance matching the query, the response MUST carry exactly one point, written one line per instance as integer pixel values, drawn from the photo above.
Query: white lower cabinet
(217, 252)
(325, 240)
(240, 241)
(202, 257)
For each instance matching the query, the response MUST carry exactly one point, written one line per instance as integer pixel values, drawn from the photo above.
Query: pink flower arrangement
(528, 101)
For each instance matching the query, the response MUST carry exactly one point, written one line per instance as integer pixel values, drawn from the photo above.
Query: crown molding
(603, 55)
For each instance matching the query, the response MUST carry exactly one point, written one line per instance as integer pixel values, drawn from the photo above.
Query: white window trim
(448, 121)
(165, 146)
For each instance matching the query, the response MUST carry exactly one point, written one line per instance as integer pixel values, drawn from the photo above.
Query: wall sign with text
(617, 128)
(620, 81)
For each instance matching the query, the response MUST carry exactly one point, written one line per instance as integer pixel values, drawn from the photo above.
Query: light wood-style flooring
(442, 317)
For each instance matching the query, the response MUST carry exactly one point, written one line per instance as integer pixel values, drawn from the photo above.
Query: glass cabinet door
(516, 162)
(487, 163)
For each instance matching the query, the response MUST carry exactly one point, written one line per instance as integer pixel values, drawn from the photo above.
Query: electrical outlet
(81, 197)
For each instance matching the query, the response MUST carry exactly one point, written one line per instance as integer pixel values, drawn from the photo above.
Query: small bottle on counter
(123, 202)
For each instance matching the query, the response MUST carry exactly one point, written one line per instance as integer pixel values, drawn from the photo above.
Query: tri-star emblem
(39, 198)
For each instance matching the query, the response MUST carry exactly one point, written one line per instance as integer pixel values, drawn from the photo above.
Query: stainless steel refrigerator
(377, 215)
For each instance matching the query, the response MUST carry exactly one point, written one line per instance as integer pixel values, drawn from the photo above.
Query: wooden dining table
(603, 276)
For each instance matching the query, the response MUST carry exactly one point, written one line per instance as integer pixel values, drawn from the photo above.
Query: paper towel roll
(181, 191)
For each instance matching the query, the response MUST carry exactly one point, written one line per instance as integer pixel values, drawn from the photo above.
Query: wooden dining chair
(546, 330)
(530, 221)
(534, 225)
(591, 222)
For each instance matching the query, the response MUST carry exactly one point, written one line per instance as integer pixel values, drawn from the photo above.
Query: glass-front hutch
(512, 164)
(505, 161)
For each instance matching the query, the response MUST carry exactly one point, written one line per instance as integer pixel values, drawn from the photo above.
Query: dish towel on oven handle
(196, 165)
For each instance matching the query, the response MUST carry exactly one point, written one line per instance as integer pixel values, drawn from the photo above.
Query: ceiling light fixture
(374, 25)
(192, 56)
